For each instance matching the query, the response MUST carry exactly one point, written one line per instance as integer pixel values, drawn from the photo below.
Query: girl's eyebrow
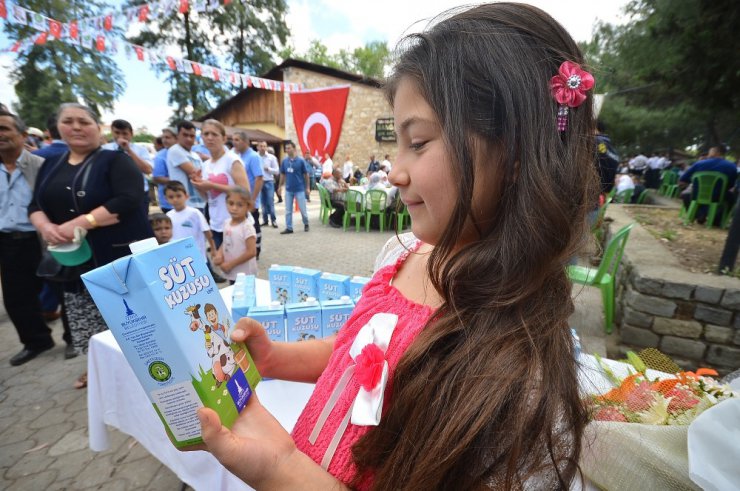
(413, 120)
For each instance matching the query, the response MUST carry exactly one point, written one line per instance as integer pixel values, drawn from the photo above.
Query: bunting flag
(92, 33)
(183, 7)
(55, 29)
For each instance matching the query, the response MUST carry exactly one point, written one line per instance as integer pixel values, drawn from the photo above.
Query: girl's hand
(251, 332)
(226, 266)
(256, 449)
(50, 233)
(218, 259)
(201, 185)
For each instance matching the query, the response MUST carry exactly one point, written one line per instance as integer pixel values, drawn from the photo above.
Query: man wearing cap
(160, 176)
(20, 250)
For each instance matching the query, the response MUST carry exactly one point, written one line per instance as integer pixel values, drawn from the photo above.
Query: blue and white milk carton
(243, 296)
(356, 284)
(333, 286)
(334, 314)
(272, 318)
(305, 284)
(303, 320)
(281, 283)
(165, 311)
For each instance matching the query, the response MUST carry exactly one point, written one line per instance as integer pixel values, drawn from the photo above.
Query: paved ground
(43, 420)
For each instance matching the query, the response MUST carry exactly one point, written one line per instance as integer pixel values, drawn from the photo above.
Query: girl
(456, 369)
(238, 252)
(220, 172)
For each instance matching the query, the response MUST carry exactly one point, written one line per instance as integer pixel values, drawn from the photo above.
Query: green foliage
(238, 36)
(370, 60)
(671, 74)
(48, 75)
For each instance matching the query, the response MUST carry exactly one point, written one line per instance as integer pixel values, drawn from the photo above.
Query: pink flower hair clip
(569, 88)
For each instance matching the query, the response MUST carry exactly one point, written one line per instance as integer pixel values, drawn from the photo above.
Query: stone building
(367, 117)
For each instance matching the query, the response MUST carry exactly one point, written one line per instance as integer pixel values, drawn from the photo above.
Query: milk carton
(332, 286)
(272, 318)
(334, 314)
(243, 296)
(281, 283)
(356, 285)
(165, 311)
(305, 284)
(303, 320)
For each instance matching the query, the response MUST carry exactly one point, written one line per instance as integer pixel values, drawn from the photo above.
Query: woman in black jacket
(97, 190)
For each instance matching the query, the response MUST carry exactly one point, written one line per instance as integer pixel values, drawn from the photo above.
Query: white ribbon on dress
(368, 404)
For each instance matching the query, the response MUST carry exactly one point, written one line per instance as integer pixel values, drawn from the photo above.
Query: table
(116, 398)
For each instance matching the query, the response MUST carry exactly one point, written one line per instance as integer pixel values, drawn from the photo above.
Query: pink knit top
(378, 296)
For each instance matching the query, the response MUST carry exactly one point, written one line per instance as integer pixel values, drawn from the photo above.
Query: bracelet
(91, 219)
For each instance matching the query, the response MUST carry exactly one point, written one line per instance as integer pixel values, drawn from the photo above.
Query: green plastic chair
(326, 206)
(624, 196)
(668, 179)
(402, 214)
(375, 201)
(704, 184)
(596, 229)
(603, 277)
(353, 207)
(641, 198)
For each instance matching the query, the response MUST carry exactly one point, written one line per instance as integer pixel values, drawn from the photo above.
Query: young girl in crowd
(456, 369)
(238, 252)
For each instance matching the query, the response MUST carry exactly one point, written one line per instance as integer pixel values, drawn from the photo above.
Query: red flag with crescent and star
(318, 116)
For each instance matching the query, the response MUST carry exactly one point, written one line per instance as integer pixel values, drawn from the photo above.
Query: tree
(58, 72)
(672, 68)
(245, 36)
(370, 60)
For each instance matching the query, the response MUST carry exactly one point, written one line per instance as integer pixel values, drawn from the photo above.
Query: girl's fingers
(221, 442)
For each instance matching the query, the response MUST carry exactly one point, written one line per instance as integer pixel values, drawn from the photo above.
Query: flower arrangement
(668, 401)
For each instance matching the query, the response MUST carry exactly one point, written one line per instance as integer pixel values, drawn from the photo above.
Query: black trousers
(20, 254)
(258, 230)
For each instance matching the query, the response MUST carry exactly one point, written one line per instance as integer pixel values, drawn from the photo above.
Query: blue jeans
(267, 197)
(301, 198)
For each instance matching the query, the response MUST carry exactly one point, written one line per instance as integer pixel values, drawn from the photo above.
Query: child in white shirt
(186, 220)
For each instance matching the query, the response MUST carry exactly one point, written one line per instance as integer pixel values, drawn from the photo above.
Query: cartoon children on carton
(217, 348)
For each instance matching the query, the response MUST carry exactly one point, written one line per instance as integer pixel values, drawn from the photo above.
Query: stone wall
(694, 318)
(365, 104)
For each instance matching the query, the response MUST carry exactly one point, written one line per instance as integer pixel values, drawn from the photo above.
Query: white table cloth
(116, 398)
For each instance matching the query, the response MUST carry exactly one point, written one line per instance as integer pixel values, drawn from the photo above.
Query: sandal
(81, 382)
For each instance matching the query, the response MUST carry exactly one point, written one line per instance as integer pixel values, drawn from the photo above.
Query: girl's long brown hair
(487, 395)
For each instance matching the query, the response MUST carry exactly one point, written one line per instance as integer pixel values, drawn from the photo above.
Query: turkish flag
(139, 53)
(143, 13)
(41, 39)
(100, 43)
(184, 7)
(171, 63)
(196, 69)
(3, 10)
(318, 116)
(74, 31)
(108, 22)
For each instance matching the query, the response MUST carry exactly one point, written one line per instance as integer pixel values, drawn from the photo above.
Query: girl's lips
(411, 203)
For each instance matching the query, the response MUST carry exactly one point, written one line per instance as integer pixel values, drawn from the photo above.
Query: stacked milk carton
(305, 303)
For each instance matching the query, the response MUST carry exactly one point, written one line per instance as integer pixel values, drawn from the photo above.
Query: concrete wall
(694, 318)
(365, 105)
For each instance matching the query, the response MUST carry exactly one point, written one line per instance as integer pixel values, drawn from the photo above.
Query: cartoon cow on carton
(217, 347)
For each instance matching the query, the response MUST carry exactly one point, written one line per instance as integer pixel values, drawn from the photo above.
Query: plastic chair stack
(375, 202)
(604, 276)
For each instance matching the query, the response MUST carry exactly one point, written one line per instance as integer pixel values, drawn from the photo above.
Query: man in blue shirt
(253, 165)
(160, 176)
(20, 250)
(714, 162)
(58, 147)
(295, 174)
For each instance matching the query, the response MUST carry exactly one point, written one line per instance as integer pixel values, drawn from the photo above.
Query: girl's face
(422, 170)
(78, 129)
(237, 206)
(212, 138)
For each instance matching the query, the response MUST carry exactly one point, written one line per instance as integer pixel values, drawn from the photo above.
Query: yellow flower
(657, 413)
